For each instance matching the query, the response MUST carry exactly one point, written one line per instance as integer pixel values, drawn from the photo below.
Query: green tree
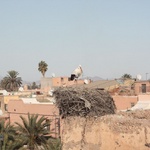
(33, 131)
(54, 144)
(2, 83)
(34, 86)
(7, 135)
(126, 76)
(43, 67)
(11, 82)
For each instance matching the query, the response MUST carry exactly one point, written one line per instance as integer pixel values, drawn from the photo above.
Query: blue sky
(108, 38)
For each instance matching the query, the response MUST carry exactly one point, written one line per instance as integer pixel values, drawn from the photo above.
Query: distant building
(143, 102)
(142, 87)
(125, 102)
(50, 83)
(32, 106)
(4, 92)
(4, 99)
(102, 84)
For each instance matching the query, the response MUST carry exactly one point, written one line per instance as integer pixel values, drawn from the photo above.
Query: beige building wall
(59, 81)
(138, 87)
(18, 108)
(144, 97)
(4, 100)
(10, 97)
(46, 84)
(125, 102)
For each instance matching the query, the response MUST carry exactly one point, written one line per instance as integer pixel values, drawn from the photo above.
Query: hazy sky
(107, 37)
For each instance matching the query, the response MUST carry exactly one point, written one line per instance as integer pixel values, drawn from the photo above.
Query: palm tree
(126, 76)
(2, 83)
(11, 82)
(7, 135)
(33, 131)
(34, 85)
(54, 144)
(43, 67)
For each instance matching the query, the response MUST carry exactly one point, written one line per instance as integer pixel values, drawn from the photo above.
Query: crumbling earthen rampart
(124, 131)
(89, 122)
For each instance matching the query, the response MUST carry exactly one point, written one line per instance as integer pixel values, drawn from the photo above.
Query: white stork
(77, 73)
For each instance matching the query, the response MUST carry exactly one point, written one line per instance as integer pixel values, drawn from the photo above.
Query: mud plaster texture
(122, 131)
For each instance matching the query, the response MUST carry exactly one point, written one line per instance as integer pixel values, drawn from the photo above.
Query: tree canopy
(43, 67)
(32, 131)
(126, 76)
(11, 82)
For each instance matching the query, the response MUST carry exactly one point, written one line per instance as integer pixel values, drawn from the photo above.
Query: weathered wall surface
(124, 102)
(125, 131)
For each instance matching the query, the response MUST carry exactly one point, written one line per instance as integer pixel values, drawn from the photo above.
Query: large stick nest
(83, 102)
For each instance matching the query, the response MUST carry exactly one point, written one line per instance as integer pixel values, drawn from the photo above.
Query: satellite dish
(86, 81)
(51, 92)
(53, 74)
(21, 89)
(139, 77)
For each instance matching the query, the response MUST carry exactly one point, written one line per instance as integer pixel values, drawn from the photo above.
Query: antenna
(139, 77)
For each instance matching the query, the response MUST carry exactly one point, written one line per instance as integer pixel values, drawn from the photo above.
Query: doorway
(143, 88)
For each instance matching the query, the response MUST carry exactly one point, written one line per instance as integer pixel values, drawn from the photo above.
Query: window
(143, 88)
(62, 79)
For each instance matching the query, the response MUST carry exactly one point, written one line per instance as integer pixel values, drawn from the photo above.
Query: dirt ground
(122, 131)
